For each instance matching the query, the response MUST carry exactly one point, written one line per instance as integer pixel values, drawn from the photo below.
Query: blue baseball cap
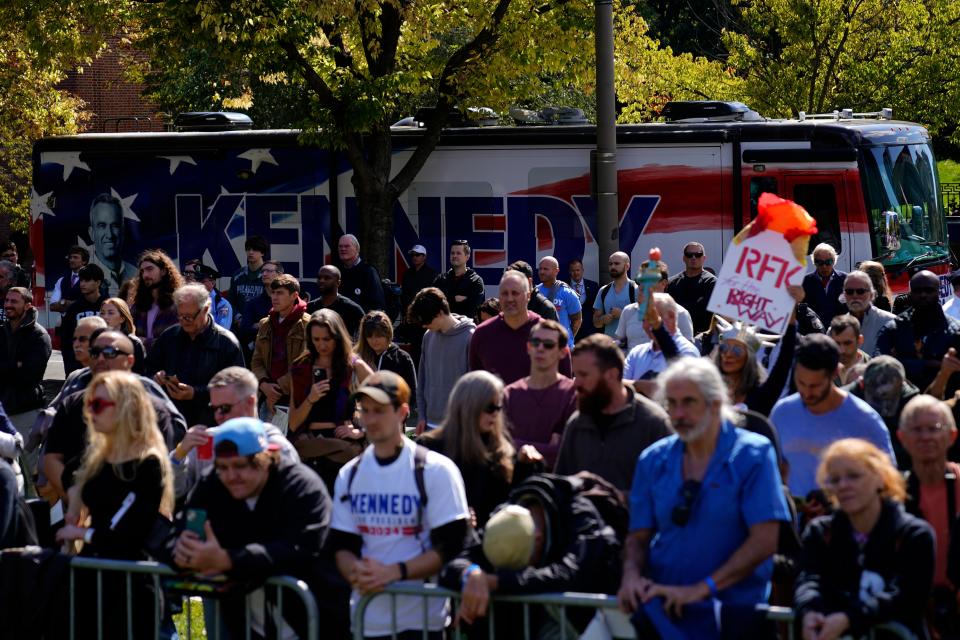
(248, 435)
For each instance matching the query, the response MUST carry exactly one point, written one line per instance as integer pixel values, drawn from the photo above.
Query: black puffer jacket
(194, 362)
(899, 553)
(24, 353)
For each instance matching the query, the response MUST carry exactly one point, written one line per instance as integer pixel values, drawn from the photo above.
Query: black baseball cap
(91, 272)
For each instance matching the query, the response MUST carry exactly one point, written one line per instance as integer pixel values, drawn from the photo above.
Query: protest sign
(752, 283)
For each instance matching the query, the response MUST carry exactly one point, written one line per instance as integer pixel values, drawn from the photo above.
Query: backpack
(392, 298)
(419, 463)
(605, 289)
(606, 499)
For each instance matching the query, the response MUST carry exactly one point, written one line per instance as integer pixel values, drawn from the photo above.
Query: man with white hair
(859, 294)
(565, 299)
(646, 360)
(823, 286)
(708, 481)
(187, 355)
(499, 345)
(360, 280)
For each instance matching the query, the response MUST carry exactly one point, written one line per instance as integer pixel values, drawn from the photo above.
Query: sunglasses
(190, 317)
(109, 353)
(223, 408)
(682, 512)
(693, 254)
(493, 408)
(823, 263)
(537, 342)
(99, 405)
(81, 339)
(734, 349)
(857, 292)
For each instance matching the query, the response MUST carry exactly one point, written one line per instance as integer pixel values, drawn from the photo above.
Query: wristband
(467, 572)
(711, 585)
(403, 570)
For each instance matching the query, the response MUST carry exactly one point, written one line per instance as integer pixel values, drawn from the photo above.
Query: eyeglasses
(930, 430)
(99, 405)
(693, 254)
(688, 493)
(110, 353)
(268, 270)
(537, 342)
(493, 408)
(857, 291)
(734, 349)
(81, 339)
(823, 263)
(224, 408)
(190, 317)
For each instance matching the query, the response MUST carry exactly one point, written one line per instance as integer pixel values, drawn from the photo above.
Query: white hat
(418, 248)
(508, 538)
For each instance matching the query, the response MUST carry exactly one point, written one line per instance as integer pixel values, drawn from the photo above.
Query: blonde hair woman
(474, 436)
(123, 486)
(116, 313)
(869, 562)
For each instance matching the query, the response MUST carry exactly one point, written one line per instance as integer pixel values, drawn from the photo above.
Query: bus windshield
(901, 190)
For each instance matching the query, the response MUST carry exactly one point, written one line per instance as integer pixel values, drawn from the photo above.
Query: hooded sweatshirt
(443, 359)
(24, 353)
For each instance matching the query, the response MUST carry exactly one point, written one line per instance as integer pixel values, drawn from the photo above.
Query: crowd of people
(561, 436)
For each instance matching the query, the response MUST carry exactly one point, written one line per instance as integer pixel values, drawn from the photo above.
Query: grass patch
(949, 170)
(197, 628)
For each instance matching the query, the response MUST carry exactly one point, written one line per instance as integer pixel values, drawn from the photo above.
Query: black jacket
(361, 283)
(825, 302)
(900, 550)
(414, 281)
(583, 554)
(898, 339)
(399, 361)
(194, 362)
(24, 353)
(470, 284)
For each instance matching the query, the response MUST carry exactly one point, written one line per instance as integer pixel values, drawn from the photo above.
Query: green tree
(40, 41)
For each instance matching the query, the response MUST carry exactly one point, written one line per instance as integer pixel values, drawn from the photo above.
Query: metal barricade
(559, 601)
(154, 571)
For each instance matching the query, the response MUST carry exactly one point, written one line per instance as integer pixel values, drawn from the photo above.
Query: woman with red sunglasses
(124, 484)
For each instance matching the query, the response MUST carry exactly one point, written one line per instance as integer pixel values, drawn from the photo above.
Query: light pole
(603, 160)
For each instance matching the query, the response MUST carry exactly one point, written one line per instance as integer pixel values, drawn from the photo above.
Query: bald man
(328, 284)
(613, 297)
(565, 299)
(499, 345)
(921, 336)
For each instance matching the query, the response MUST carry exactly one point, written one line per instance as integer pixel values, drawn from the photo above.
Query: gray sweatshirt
(443, 359)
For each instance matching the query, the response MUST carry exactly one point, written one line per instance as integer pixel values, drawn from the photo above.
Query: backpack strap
(633, 291)
(950, 478)
(351, 475)
(419, 464)
(605, 289)
(912, 503)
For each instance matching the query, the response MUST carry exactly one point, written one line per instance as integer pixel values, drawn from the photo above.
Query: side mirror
(890, 231)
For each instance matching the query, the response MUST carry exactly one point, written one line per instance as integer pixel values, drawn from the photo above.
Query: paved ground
(54, 367)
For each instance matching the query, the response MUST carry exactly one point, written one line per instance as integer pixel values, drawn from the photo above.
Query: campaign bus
(514, 193)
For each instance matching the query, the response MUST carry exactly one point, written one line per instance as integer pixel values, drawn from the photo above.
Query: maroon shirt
(534, 415)
(502, 351)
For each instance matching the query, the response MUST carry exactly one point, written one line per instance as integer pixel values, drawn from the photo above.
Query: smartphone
(319, 375)
(196, 519)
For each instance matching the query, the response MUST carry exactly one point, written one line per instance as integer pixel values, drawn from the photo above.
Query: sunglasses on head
(858, 291)
(735, 349)
(537, 342)
(493, 408)
(99, 405)
(107, 352)
(823, 263)
(688, 494)
(693, 254)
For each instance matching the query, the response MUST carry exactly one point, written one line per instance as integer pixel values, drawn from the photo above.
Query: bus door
(824, 198)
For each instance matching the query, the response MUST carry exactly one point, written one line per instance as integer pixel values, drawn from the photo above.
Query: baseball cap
(384, 387)
(204, 272)
(418, 248)
(91, 272)
(508, 538)
(248, 435)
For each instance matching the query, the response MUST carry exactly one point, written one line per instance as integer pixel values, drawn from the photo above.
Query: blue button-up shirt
(741, 488)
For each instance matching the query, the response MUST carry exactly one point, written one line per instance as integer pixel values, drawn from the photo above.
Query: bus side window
(759, 186)
(820, 201)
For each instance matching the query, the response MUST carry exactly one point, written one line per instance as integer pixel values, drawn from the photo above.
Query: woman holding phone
(123, 486)
(321, 413)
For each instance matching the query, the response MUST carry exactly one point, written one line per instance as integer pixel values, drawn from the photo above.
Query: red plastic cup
(205, 451)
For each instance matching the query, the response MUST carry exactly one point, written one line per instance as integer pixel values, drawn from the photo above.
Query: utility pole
(603, 160)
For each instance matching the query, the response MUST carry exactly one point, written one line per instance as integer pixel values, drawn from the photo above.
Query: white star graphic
(257, 157)
(38, 204)
(126, 203)
(176, 160)
(69, 159)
